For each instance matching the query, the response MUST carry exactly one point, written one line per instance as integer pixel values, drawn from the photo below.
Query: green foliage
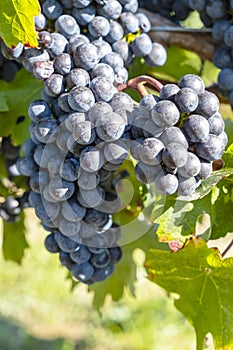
(14, 241)
(203, 282)
(179, 217)
(17, 95)
(17, 21)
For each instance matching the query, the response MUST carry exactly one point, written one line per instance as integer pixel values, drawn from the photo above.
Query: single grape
(99, 27)
(169, 91)
(192, 81)
(165, 113)
(174, 155)
(69, 228)
(142, 45)
(81, 255)
(52, 9)
(86, 56)
(69, 169)
(150, 151)
(102, 89)
(51, 244)
(186, 100)
(81, 98)
(208, 104)
(157, 56)
(166, 183)
(192, 167)
(91, 159)
(186, 185)
(110, 127)
(172, 134)
(197, 128)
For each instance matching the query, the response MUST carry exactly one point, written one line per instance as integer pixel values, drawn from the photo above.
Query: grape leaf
(178, 218)
(191, 63)
(3, 104)
(14, 241)
(222, 209)
(17, 22)
(19, 93)
(228, 156)
(203, 282)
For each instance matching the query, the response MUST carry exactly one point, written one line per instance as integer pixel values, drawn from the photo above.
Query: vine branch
(198, 41)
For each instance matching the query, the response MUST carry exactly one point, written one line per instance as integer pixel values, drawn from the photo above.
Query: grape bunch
(84, 127)
(177, 136)
(72, 159)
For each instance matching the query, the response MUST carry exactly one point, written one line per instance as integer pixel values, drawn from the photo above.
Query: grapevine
(101, 113)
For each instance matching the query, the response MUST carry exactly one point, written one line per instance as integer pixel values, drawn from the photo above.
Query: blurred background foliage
(38, 310)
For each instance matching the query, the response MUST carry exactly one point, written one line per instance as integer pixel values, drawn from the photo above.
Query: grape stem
(227, 248)
(139, 83)
(184, 30)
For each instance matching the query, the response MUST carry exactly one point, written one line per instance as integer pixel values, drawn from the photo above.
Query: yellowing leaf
(17, 21)
(204, 283)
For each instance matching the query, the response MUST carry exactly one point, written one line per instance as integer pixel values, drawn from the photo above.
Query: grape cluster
(72, 158)
(84, 126)
(178, 136)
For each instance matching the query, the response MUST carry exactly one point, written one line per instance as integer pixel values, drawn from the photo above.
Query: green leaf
(204, 283)
(209, 73)
(228, 156)
(222, 209)
(19, 93)
(14, 241)
(3, 104)
(17, 22)
(185, 62)
(179, 216)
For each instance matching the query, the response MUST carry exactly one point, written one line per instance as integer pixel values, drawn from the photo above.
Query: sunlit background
(38, 310)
